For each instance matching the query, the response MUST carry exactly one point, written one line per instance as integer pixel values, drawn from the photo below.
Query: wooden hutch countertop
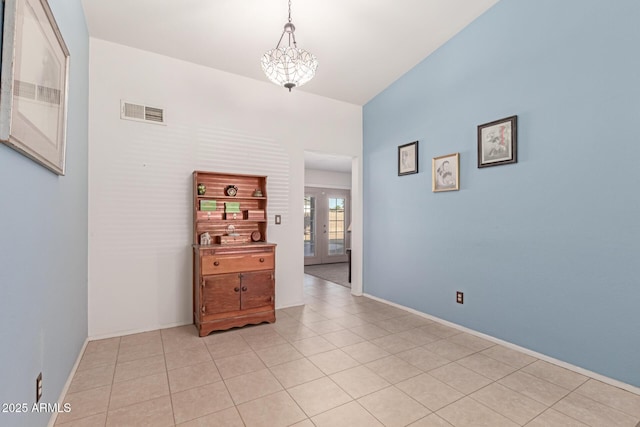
(236, 245)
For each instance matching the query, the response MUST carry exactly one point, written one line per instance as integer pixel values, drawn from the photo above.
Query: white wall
(140, 222)
(327, 179)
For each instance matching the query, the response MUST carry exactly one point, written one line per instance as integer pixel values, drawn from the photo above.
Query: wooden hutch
(234, 274)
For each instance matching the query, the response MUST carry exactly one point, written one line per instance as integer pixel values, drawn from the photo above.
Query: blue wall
(43, 249)
(545, 250)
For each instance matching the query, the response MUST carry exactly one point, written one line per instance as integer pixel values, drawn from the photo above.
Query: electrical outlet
(39, 387)
(459, 297)
(278, 219)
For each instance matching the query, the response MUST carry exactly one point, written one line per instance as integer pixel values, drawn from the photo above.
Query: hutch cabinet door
(221, 293)
(257, 289)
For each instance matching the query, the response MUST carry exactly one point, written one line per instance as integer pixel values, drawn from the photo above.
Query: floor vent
(141, 113)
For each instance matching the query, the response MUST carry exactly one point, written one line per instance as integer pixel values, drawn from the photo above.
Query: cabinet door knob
(203, 308)
(261, 259)
(244, 289)
(236, 289)
(216, 263)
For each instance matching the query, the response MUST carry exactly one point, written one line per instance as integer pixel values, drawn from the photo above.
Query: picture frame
(445, 173)
(498, 142)
(408, 158)
(34, 82)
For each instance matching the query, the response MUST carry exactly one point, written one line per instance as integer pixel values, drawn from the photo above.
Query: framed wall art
(34, 83)
(445, 173)
(497, 142)
(408, 158)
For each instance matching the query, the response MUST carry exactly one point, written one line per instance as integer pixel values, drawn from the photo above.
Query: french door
(326, 219)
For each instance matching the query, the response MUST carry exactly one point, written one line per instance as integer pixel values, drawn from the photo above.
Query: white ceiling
(362, 46)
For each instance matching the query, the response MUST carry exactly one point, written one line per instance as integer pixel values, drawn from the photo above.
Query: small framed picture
(497, 142)
(408, 158)
(446, 173)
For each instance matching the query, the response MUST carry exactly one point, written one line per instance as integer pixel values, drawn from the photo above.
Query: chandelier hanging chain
(292, 34)
(280, 41)
(289, 29)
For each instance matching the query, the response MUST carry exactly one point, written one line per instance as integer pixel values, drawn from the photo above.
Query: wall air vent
(141, 113)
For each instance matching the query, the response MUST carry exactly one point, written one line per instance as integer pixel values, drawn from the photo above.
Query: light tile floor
(339, 360)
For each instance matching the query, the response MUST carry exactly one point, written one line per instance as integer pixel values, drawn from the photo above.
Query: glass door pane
(309, 226)
(337, 226)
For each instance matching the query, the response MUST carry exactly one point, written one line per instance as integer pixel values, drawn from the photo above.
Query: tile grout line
(401, 391)
(289, 394)
(128, 405)
(596, 402)
(550, 408)
(113, 379)
(166, 371)
(222, 379)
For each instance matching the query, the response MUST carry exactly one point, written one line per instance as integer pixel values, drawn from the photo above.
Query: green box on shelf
(208, 205)
(232, 207)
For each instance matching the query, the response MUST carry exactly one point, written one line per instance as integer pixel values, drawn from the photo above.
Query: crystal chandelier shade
(289, 66)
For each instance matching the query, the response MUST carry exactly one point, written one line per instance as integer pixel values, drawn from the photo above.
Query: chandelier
(289, 66)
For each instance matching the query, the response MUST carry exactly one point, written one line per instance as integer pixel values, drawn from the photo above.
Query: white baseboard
(295, 304)
(136, 331)
(63, 393)
(586, 372)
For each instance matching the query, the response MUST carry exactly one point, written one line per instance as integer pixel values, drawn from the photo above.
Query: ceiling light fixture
(289, 66)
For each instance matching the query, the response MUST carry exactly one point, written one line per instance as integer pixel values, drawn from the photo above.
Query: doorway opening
(327, 217)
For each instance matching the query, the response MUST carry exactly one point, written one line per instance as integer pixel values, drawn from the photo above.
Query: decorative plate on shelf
(231, 190)
(256, 236)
